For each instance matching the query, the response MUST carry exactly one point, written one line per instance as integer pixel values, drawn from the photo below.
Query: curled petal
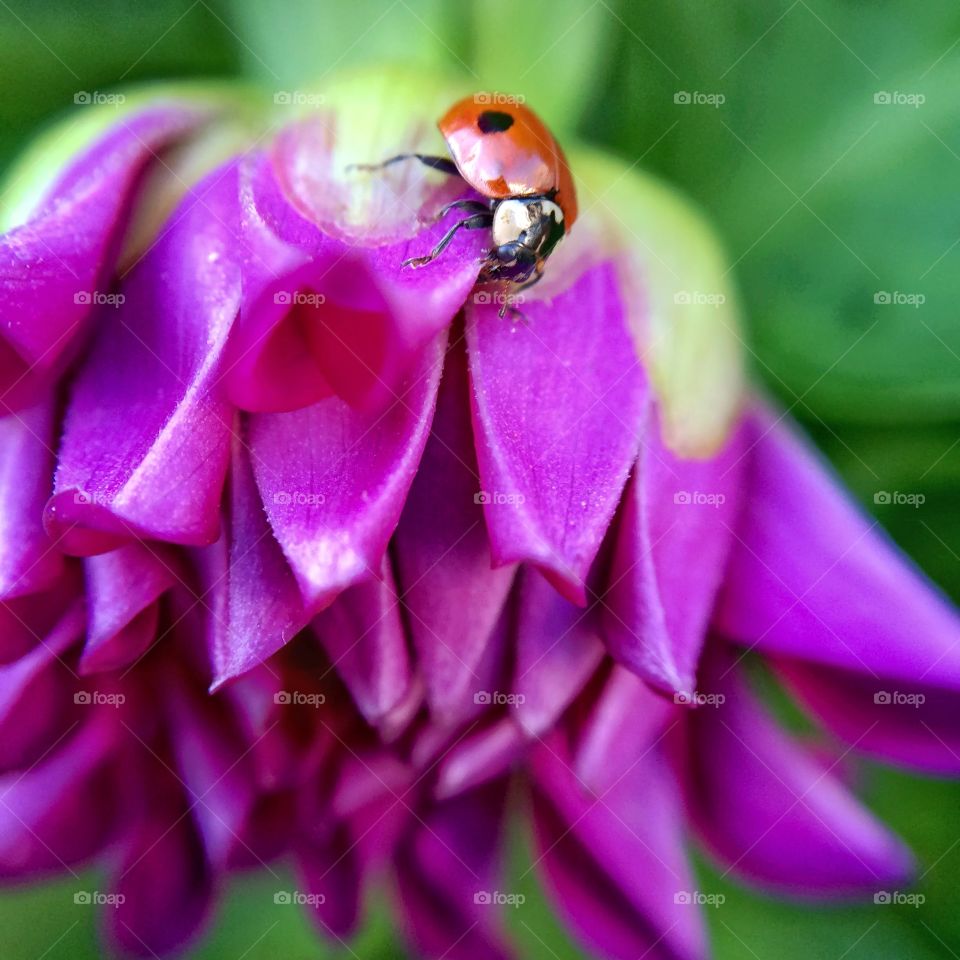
(333, 481)
(146, 437)
(615, 861)
(451, 595)
(673, 539)
(772, 810)
(811, 578)
(122, 589)
(29, 561)
(558, 650)
(558, 408)
(55, 265)
(480, 757)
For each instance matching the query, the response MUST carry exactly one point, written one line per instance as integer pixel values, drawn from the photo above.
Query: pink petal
(52, 266)
(810, 577)
(28, 560)
(333, 481)
(771, 810)
(673, 539)
(480, 757)
(558, 410)
(615, 862)
(452, 597)
(323, 316)
(146, 438)
(558, 650)
(916, 725)
(122, 589)
(364, 637)
(251, 596)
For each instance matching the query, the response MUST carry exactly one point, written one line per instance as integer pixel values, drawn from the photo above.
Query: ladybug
(506, 153)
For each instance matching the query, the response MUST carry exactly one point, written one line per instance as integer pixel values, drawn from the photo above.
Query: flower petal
(29, 561)
(615, 862)
(323, 317)
(363, 635)
(673, 539)
(146, 438)
(811, 578)
(451, 596)
(333, 481)
(772, 810)
(558, 650)
(53, 266)
(558, 409)
(122, 589)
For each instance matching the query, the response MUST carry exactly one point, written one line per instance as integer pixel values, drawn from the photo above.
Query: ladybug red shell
(506, 151)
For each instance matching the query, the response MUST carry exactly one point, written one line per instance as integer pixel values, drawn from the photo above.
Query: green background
(823, 198)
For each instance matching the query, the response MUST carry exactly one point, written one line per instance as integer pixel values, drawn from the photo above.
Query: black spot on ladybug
(494, 121)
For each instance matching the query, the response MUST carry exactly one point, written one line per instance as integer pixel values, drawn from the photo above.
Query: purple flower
(308, 558)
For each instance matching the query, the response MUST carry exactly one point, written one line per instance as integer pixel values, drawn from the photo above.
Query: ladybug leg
(477, 222)
(474, 206)
(443, 164)
(516, 312)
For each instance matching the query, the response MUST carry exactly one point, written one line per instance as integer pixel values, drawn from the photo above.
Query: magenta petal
(37, 694)
(329, 875)
(810, 577)
(916, 725)
(673, 539)
(364, 637)
(558, 650)
(447, 877)
(333, 481)
(122, 589)
(146, 437)
(615, 862)
(39, 830)
(322, 315)
(53, 266)
(558, 413)
(210, 763)
(28, 560)
(479, 757)
(165, 883)
(250, 594)
(451, 596)
(620, 728)
(772, 810)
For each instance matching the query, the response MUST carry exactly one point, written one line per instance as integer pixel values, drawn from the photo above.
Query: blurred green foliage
(826, 196)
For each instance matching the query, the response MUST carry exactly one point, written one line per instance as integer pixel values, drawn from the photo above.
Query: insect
(506, 153)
